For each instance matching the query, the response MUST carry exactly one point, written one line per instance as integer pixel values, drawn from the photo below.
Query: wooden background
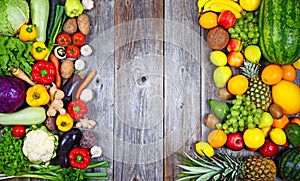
(153, 80)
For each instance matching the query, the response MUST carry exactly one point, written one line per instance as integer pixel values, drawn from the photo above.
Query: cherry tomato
(73, 51)
(64, 39)
(78, 39)
(19, 131)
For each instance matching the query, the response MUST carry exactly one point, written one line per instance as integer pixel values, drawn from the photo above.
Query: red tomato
(64, 39)
(73, 51)
(78, 39)
(19, 131)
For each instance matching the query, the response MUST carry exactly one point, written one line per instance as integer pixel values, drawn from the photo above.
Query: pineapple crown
(219, 167)
(250, 69)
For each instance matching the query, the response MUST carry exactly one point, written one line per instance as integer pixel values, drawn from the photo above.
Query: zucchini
(39, 16)
(25, 116)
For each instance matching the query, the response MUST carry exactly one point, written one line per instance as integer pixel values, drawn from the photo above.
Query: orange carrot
(85, 83)
(17, 72)
(56, 62)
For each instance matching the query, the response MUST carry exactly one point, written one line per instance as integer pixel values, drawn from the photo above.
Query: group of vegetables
(256, 61)
(44, 94)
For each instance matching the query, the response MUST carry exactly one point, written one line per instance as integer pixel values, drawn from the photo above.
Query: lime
(218, 58)
(278, 136)
(221, 75)
(297, 64)
(254, 138)
(204, 147)
(252, 53)
(266, 120)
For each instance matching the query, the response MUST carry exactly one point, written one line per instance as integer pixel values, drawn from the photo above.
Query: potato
(83, 24)
(67, 69)
(70, 26)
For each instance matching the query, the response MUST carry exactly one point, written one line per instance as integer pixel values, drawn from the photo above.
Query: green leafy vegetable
(13, 13)
(15, 53)
(12, 160)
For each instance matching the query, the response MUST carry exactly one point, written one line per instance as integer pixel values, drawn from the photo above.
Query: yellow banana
(201, 4)
(219, 7)
(228, 2)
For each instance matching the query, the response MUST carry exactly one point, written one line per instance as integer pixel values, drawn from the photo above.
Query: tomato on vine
(64, 39)
(78, 39)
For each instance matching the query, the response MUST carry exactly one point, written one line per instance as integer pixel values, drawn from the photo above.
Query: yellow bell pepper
(39, 50)
(37, 95)
(64, 122)
(27, 33)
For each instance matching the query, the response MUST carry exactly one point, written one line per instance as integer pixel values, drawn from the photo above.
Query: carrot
(56, 62)
(17, 72)
(85, 83)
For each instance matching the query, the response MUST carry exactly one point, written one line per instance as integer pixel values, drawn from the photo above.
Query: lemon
(297, 64)
(206, 148)
(252, 53)
(278, 136)
(218, 58)
(254, 138)
(250, 5)
(221, 75)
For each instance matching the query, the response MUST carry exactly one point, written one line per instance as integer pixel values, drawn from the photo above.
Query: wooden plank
(138, 126)
(101, 108)
(182, 58)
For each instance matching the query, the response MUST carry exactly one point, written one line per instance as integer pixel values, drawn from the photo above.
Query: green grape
(231, 30)
(232, 120)
(241, 123)
(241, 129)
(251, 34)
(235, 113)
(251, 125)
(225, 126)
(219, 125)
(234, 35)
(244, 112)
(230, 129)
(240, 22)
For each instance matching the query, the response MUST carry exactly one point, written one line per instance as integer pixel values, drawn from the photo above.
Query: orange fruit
(281, 123)
(217, 138)
(272, 74)
(289, 72)
(295, 120)
(237, 85)
(208, 20)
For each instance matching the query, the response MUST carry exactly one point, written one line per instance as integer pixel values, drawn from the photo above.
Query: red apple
(235, 59)
(235, 141)
(226, 19)
(269, 149)
(234, 45)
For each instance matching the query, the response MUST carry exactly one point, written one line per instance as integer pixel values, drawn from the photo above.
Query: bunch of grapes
(243, 114)
(246, 29)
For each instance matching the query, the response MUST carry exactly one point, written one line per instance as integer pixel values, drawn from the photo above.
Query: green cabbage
(13, 14)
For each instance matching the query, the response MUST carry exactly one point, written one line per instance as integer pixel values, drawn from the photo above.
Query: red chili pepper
(43, 72)
(77, 109)
(79, 158)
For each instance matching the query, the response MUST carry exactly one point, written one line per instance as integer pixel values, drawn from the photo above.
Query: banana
(219, 7)
(201, 4)
(228, 2)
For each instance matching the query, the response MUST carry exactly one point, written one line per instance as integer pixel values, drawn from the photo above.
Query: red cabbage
(12, 93)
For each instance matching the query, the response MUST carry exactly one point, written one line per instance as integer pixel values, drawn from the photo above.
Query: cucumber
(39, 17)
(25, 116)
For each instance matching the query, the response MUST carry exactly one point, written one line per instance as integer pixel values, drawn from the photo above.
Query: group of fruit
(257, 76)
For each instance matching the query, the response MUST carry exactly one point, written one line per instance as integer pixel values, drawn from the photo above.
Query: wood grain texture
(182, 79)
(138, 90)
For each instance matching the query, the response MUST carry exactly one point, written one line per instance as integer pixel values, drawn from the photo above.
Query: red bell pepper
(43, 72)
(77, 109)
(79, 158)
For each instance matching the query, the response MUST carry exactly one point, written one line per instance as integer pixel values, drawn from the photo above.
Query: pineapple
(226, 167)
(259, 92)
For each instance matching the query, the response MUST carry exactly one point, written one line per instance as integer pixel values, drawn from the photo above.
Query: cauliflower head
(40, 146)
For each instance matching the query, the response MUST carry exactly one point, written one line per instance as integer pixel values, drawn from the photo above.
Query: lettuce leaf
(13, 14)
